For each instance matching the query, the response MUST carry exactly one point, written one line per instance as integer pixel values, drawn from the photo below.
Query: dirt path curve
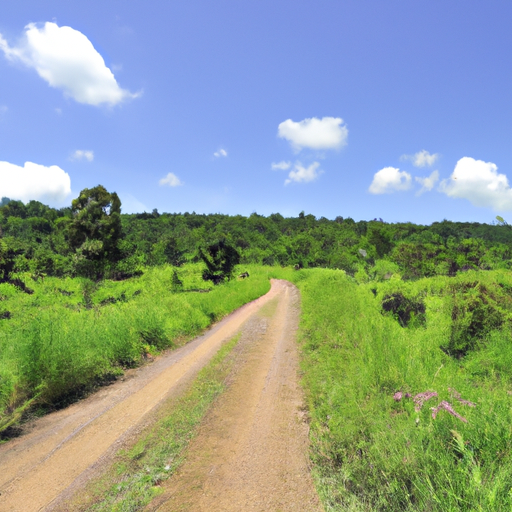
(64, 449)
(252, 451)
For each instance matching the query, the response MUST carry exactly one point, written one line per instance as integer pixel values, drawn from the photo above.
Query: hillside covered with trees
(92, 238)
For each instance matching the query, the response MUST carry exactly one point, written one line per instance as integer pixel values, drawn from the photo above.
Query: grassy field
(71, 335)
(409, 383)
(376, 378)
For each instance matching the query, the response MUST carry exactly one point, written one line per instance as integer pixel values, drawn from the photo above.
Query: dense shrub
(477, 310)
(404, 309)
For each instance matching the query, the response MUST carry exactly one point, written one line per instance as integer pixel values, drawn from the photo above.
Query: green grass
(374, 453)
(72, 334)
(371, 452)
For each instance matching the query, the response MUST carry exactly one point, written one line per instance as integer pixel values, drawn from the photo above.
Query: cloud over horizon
(34, 182)
(314, 133)
(427, 183)
(479, 183)
(171, 180)
(130, 204)
(301, 174)
(389, 180)
(67, 60)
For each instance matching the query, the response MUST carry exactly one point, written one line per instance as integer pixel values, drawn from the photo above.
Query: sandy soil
(251, 453)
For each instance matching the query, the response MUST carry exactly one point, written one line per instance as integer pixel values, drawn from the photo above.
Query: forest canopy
(93, 238)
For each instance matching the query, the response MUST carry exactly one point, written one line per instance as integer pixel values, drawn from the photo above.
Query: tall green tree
(220, 259)
(7, 262)
(95, 229)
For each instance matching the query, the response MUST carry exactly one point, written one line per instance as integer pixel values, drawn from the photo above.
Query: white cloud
(34, 181)
(281, 166)
(221, 152)
(428, 182)
(83, 154)
(301, 174)
(67, 60)
(479, 182)
(170, 180)
(422, 158)
(390, 180)
(314, 133)
(5, 48)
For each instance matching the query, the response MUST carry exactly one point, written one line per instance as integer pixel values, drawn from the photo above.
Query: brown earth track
(266, 447)
(251, 453)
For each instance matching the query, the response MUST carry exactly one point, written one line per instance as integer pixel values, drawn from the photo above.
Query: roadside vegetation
(410, 390)
(72, 334)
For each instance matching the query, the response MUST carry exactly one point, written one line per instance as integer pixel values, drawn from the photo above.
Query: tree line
(93, 238)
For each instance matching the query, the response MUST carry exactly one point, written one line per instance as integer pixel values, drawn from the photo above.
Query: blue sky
(397, 110)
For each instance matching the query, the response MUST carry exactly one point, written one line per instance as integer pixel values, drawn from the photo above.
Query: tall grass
(72, 334)
(374, 450)
(365, 370)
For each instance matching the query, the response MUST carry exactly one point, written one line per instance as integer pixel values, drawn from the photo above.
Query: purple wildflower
(449, 409)
(466, 402)
(421, 398)
(457, 397)
(454, 393)
(397, 396)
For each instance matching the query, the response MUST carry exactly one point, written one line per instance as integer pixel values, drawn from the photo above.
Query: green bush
(476, 312)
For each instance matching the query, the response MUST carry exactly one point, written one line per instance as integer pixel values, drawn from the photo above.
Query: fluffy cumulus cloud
(220, 152)
(33, 181)
(83, 154)
(480, 183)
(281, 166)
(314, 133)
(301, 174)
(390, 179)
(427, 183)
(171, 180)
(67, 60)
(422, 158)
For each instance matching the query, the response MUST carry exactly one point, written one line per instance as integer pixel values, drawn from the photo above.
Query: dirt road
(251, 453)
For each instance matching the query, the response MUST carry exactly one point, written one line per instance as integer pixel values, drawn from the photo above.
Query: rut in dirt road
(251, 453)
